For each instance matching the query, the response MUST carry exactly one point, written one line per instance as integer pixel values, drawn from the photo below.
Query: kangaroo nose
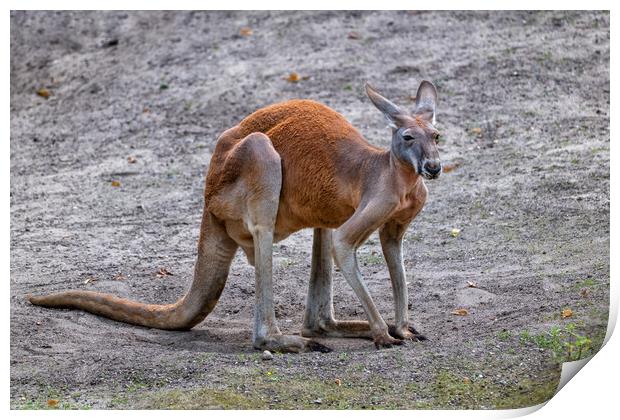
(433, 167)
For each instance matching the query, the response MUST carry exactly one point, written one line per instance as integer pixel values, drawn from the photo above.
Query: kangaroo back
(325, 162)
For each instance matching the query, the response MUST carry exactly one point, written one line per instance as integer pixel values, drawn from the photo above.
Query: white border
(592, 393)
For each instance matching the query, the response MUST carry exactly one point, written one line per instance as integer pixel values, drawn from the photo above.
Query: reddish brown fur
(324, 159)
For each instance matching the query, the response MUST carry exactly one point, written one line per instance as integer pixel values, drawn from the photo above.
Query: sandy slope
(524, 108)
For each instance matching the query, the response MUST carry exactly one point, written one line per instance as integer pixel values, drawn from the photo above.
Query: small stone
(267, 355)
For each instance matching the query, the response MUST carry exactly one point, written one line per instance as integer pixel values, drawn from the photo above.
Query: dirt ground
(524, 109)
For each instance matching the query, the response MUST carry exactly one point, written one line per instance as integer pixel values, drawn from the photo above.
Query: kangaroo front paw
(406, 332)
(289, 344)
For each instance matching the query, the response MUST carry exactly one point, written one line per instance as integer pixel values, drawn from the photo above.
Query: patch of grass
(201, 399)
(205, 357)
(136, 385)
(41, 401)
(42, 404)
(524, 337)
(371, 259)
(564, 342)
(597, 150)
(452, 391)
(587, 283)
(119, 400)
(504, 335)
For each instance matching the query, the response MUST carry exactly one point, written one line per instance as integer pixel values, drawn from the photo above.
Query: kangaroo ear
(425, 101)
(389, 109)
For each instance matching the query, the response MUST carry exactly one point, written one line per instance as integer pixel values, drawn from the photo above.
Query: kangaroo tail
(215, 253)
(176, 316)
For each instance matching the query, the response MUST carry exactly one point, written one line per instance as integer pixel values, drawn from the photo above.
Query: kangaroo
(289, 166)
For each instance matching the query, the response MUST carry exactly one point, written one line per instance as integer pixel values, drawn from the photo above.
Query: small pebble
(267, 355)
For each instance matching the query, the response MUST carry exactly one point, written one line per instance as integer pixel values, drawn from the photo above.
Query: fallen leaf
(450, 166)
(164, 272)
(120, 276)
(132, 159)
(471, 284)
(52, 403)
(245, 31)
(584, 293)
(338, 382)
(567, 313)
(466, 380)
(44, 93)
(476, 130)
(460, 312)
(353, 35)
(294, 77)
(116, 184)
(146, 110)
(455, 232)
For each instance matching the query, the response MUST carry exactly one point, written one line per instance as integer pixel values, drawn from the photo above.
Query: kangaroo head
(414, 138)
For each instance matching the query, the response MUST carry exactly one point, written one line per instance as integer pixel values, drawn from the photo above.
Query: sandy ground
(524, 108)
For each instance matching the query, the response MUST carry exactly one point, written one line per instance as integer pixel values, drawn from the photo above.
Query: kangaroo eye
(407, 136)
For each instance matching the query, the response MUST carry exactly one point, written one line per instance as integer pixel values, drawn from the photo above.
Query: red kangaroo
(289, 166)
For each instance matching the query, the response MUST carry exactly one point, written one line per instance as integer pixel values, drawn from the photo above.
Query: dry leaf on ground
(294, 77)
(44, 93)
(450, 166)
(52, 403)
(567, 313)
(460, 312)
(245, 31)
(116, 184)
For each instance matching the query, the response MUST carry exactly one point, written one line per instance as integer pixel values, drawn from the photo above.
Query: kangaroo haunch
(286, 167)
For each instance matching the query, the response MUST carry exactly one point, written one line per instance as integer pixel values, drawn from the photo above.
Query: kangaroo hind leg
(264, 182)
(319, 320)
